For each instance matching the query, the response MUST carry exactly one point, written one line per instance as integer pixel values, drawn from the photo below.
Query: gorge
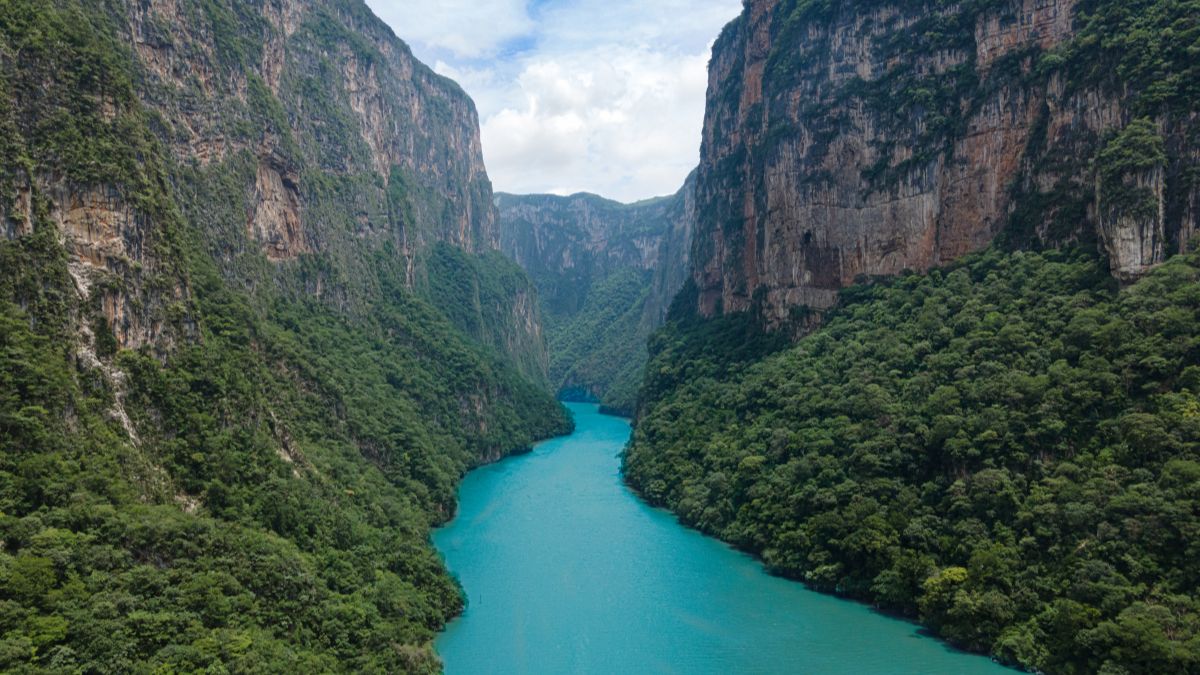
(566, 571)
(922, 330)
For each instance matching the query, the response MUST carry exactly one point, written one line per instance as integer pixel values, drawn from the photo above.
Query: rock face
(251, 302)
(275, 213)
(340, 158)
(105, 237)
(606, 273)
(348, 97)
(674, 254)
(870, 138)
(1135, 240)
(298, 142)
(567, 244)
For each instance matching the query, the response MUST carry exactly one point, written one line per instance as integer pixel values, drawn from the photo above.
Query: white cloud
(688, 25)
(463, 28)
(625, 123)
(593, 95)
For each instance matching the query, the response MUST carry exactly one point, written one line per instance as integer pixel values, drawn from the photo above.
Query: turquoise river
(566, 571)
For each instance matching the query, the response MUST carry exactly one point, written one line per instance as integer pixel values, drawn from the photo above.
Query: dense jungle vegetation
(1008, 449)
(603, 344)
(252, 492)
(272, 513)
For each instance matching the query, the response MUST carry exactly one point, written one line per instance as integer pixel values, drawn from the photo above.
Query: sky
(602, 96)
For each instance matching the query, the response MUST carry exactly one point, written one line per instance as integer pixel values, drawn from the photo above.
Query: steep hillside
(252, 331)
(1007, 449)
(988, 207)
(606, 273)
(867, 138)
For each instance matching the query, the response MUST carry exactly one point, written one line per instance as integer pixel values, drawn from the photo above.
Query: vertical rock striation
(866, 138)
(343, 95)
(296, 145)
(606, 273)
(568, 243)
(253, 325)
(327, 144)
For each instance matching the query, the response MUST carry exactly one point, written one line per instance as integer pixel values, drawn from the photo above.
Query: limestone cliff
(606, 273)
(674, 254)
(331, 89)
(299, 132)
(253, 327)
(866, 138)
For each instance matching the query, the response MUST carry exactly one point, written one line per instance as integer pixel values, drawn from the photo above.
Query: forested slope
(232, 403)
(939, 347)
(605, 273)
(1008, 449)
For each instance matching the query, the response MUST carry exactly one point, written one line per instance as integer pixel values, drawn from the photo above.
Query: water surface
(566, 571)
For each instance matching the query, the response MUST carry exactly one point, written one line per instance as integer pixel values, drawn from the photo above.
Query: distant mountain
(605, 273)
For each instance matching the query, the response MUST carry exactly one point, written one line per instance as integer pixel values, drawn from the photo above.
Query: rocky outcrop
(1014, 26)
(867, 139)
(524, 331)
(275, 221)
(1134, 237)
(299, 142)
(329, 88)
(674, 255)
(113, 259)
(606, 273)
(567, 244)
(17, 217)
(106, 239)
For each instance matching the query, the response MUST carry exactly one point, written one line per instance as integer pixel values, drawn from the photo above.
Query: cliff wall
(253, 330)
(865, 138)
(301, 133)
(606, 273)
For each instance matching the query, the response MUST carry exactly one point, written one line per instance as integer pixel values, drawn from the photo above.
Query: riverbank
(566, 570)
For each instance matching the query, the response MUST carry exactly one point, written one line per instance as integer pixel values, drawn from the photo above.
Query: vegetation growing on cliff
(476, 293)
(602, 347)
(243, 529)
(922, 83)
(253, 489)
(589, 258)
(1008, 449)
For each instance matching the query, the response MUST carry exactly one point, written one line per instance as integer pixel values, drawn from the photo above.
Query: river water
(566, 571)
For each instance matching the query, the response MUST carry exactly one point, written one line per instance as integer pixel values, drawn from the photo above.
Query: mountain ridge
(605, 271)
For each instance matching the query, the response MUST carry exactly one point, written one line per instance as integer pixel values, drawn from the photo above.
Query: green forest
(272, 514)
(1007, 449)
(240, 390)
(603, 344)
(253, 491)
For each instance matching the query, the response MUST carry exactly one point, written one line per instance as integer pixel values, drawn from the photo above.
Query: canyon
(918, 330)
(255, 323)
(834, 152)
(922, 357)
(606, 274)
